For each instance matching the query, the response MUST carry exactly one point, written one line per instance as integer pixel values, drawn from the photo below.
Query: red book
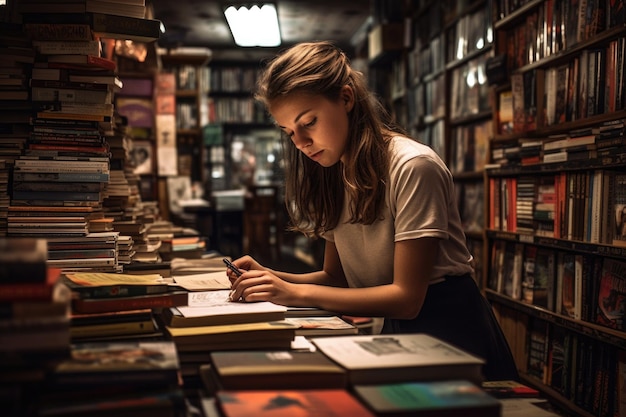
(31, 291)
(291, 403)
(101, 305)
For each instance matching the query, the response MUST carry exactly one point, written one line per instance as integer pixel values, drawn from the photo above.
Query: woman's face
(318, 127)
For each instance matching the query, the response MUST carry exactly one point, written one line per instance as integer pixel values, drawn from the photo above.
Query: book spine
(59, 31)
(130, 303)
(56, 195)
(69, 95)
(80, 47)
(116, 291)
(61, 176)
(125, 27)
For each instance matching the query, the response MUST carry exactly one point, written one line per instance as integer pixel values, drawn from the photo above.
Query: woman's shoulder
(404, 149)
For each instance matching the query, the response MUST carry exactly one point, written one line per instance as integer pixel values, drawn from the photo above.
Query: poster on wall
(142, 157)
(166, 144)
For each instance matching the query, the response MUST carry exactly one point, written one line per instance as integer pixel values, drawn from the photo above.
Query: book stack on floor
(128, 378)
(34, 320)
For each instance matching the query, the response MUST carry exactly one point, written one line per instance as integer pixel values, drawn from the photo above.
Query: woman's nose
(301, 141)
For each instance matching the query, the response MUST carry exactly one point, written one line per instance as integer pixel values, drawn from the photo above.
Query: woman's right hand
(245, 263)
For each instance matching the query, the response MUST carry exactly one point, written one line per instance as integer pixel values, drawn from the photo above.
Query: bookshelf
(554, 190)
(237, 121)
(191, 75)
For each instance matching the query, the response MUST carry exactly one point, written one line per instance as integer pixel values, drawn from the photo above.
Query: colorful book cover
(441, 398)
(291, 403)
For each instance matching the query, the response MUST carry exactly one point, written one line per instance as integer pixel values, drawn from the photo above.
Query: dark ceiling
(201, 23)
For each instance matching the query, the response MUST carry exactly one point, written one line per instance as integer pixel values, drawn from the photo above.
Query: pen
(232, 267)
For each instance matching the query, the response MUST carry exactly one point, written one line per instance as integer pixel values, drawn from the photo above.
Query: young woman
(384, 204)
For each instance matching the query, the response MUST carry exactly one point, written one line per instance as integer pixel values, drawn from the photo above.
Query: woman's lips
(316, 155)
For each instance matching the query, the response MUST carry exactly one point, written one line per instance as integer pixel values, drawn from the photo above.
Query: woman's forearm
(316, 277)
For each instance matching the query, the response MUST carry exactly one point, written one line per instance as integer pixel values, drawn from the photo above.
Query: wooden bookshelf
(561, 73)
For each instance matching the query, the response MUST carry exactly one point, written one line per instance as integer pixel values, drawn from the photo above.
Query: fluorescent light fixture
(257, 26)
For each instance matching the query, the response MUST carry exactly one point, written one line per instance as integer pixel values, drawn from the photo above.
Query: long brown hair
(314, 195)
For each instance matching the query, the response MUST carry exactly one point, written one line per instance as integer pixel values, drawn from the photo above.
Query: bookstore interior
(134, 160)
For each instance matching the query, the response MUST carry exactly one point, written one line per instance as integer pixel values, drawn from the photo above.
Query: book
(82, 26)
(436, 399)
(274, 334)
(128, 362)
(95, 6)
(103, 285)
(77, 61)
(59, 31)
(120, 328)
(166, 402)
(291, 403)
(100, 305)
(275, 369)
(612, 294)
(509, 389)
(209, 308)
(36, 291)
(377, 359)
(322, 326)
(619, 204)
(87, 47)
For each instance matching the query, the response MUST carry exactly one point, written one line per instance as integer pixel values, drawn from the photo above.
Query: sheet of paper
(203, 282)
(207, 303)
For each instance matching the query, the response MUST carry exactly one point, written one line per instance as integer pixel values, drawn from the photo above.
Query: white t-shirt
(421, 202)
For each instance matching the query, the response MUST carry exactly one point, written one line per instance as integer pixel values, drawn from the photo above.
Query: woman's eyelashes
(305, 126)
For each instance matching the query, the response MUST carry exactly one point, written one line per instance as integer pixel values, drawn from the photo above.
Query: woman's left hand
(259, 285)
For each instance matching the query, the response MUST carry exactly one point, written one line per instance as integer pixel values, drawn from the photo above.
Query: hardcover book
(275, 369)
(377, 359)
(432, 399)
(291, 403)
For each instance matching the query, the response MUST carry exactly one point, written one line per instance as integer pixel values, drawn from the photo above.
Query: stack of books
(116, 379)
(115, 292)
(211, 321)
(34, 319)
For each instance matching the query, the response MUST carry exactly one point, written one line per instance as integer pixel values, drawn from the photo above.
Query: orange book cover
(291, 403)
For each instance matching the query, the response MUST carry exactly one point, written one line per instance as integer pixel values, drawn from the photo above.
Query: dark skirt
(455, 311)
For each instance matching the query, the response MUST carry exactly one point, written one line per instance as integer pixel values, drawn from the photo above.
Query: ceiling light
(257, 26)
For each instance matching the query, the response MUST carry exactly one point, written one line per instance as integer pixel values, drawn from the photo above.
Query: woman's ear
(347, 96)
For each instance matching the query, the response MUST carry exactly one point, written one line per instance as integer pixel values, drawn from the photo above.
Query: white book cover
(399, 357)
